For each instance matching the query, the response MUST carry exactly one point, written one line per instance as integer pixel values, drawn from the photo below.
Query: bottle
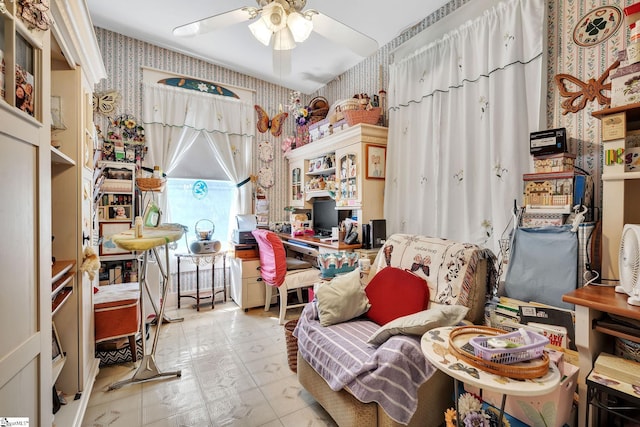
(138, 227)
(156, 172)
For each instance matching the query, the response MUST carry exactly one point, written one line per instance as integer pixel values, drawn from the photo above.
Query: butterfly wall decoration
(275, 123)
(576, 100)
(105, 102)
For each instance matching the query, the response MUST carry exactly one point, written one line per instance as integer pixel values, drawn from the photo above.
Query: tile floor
(234, 373)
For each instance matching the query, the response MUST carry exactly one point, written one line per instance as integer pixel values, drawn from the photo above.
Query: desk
(151, 240)
(203, 259)
(435, 343)
(591, 301)
(316, 243)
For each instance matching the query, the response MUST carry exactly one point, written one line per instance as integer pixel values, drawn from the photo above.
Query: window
(191, 200)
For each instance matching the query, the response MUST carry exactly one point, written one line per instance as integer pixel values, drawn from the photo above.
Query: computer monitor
(324, 216)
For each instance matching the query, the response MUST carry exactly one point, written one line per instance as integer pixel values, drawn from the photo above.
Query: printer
(242, 235)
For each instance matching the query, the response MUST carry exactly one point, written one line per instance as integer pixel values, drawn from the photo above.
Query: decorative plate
(265, 151)
(597, 26)
(265, 177)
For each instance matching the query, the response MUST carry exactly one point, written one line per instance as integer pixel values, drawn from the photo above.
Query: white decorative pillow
(421, 322)
(341, 299)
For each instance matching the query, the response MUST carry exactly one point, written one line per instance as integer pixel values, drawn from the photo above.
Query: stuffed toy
(90, 262)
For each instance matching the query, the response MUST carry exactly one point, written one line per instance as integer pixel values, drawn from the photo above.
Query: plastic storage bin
(529, 345)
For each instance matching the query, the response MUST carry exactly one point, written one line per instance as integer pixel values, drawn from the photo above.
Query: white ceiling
(315, 62)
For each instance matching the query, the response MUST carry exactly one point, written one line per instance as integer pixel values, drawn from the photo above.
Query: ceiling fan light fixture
(284, 40)
(261, 32)
(300, 26)
(274, 16)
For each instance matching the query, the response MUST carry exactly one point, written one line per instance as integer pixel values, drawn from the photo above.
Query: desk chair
(274, 271)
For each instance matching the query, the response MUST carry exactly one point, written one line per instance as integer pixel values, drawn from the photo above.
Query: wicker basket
(522, 371)
(355, 117)
(292, 344)
(151, 184)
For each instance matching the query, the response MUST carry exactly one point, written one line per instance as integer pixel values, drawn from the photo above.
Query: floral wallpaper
(124, 58)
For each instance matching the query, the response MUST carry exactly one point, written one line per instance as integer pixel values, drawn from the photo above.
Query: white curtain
(461, 110)
(175, 117)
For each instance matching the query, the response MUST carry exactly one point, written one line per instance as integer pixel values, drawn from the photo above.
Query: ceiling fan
(285, 23)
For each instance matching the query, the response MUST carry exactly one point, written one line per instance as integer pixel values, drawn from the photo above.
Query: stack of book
(557, 324)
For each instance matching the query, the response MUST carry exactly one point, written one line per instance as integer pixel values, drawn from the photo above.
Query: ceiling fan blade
(215, 22)
(342, 34)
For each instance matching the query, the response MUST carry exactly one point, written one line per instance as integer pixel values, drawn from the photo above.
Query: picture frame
(119, 212)
(101, 215)
(376, 159)
(108, 229)
(56, 348)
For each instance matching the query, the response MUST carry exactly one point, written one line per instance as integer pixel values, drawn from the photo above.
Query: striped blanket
(389, 374)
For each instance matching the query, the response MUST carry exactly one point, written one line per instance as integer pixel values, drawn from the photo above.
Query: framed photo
(56, 349)
(101, 215)
(119, 212)
(614, 126)
(108, 229)
(376, 161)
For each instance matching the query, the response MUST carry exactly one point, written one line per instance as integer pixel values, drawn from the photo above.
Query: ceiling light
(261, 32)
(274, 16)
(300, 26)
(284, 40)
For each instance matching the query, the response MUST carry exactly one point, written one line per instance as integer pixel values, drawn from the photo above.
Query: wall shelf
(59, 157)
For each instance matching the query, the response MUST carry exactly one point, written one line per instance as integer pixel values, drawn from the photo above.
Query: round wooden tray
(522, 370)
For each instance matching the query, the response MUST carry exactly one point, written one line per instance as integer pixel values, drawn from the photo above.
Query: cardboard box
(625, 85)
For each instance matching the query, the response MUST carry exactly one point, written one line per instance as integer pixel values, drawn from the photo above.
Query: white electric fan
(629, 263)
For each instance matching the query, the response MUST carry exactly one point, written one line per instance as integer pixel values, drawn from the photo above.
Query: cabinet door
(296, 184)
(348, 178)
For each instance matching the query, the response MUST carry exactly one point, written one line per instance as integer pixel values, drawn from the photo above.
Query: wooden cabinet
(351, 187)
(44, 177)
(591, 338)
(247, 287)
(25, 170)
(71, 220)
(620, 186)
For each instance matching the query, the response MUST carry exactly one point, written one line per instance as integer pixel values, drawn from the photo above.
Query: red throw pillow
(394, 293)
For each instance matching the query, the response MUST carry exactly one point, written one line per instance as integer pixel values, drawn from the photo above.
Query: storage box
(551, 409)
(116, 311)
(556, 192)
(325, 127)
(633, 53)
(563, 162)
(625, 85)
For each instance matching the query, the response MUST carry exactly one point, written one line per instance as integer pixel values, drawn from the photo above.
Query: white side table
(435, 345)
(204, 259)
